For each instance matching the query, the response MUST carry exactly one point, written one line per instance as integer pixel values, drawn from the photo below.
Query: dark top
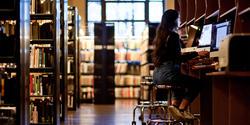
(172, 51)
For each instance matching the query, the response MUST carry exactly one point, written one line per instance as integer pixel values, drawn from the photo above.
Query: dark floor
(89, 114)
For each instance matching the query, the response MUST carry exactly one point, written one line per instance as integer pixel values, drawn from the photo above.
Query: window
(129, 16)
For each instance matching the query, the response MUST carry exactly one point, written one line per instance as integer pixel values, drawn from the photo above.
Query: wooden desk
(203, 103)
(230, 98)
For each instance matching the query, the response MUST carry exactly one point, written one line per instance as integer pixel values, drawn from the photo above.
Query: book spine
(31, 85)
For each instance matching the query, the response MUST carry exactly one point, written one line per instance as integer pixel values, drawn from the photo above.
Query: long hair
(168, 24)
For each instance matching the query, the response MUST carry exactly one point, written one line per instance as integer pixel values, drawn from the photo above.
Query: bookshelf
(73, 46)
(147, 66)
(14, 18)
(63, 60)
(86, 69)
(104, 63)
(127, 67)
(79, 19)
(242, 18)
(44, 62)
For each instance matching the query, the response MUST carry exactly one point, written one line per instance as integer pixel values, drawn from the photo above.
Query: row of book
(127, 55)
(41, 110)
(147, 70)
(87, 68)
(41, 6)
(87, 93)
(86, 80)
(125, 68)
(127, 80)
(87, 44)
(41, 84)
(70, 100)
(70, 16)
(128, 44)
(41, 29)
(41, 56)
(8, 27)
(70, 63)
(7, 65)
(87, 55)
(128, 92)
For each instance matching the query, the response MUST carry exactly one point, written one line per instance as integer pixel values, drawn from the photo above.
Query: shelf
(71, 40)
(215, 13)
(245, 11)
(7, 105)
(7, 59)
(42, 41)
(129, 62)
(41, 16)
(87, 85)
(72, 74)
(126, 98)
(41, 123)
(127, 74)
(191, 21)
(227, 12)
(183, 24)
(231, 74)
(126, 86)
(33, 96)
(202, 16)
(71, 24)
(87, 73)
(9, 69)
(39, 70)
(87, 62)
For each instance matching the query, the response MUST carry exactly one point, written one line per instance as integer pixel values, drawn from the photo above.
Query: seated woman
(167, 58)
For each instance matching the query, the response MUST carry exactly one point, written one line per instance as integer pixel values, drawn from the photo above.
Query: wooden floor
(121, 113)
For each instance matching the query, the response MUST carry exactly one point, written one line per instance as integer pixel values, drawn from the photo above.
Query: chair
(169, 120)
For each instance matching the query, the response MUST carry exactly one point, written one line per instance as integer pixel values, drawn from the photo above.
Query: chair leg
(134, 113)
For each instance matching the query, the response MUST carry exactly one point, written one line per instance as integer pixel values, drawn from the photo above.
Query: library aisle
(121, 113)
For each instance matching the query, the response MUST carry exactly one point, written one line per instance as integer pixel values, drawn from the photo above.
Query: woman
(167, 58)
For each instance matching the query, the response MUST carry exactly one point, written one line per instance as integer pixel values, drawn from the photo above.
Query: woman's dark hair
(167, 25)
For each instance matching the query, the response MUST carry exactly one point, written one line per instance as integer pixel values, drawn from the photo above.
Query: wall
(170, 4)
(81, 6)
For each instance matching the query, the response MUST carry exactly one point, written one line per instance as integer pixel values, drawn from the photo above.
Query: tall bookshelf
(14, 60)
(63, 60)
(127, 67)
(147, 66)
(104, 64)
(87, 69)
(73, 46)
(44, 62)
(79, 18)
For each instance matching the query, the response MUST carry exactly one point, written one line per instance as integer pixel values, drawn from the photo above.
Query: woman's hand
(203, 53)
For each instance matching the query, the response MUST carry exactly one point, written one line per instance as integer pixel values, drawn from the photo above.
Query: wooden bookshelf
(212, 7)
(73, 61)
(242, 22)
(48, 72)
(86, 57)
(63, 60)
(16, 95)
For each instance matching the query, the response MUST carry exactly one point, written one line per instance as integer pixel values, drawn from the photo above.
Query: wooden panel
(176, 5)
(243, 6)
(219, 101)
(212, 8)
(183, 10)
(226, 7)
(190, 10)
(238, 108)
(199, 9)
